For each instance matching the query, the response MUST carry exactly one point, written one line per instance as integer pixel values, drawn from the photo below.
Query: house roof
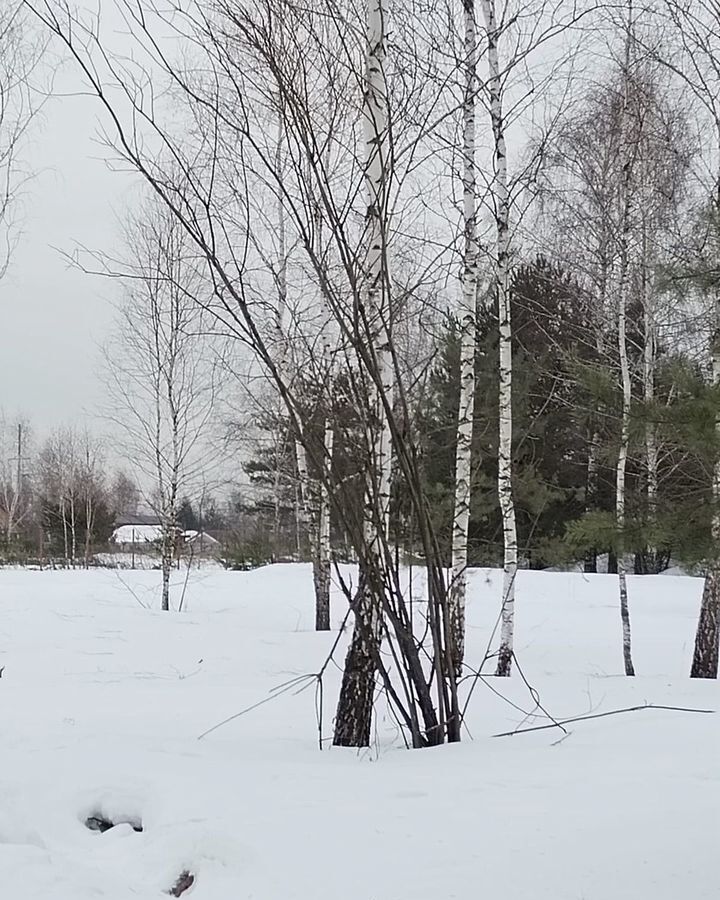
(137, 534)
(137, 519)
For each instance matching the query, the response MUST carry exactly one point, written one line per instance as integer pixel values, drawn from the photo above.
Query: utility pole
(19, 458)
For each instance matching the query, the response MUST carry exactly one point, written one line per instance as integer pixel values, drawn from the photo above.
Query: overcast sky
(52, 317)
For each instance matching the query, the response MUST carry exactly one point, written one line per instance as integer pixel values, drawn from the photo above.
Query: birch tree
(468, 341)
(354, 713)
(163, 374)
(313, 499)
(322, 557)
(21, 49)
(90, 476)
(628, 158)
(516, 37)
(58, 464)
(501, 266)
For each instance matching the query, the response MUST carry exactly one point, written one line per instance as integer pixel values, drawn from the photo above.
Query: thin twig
(187, 578)
(304, 681)
(610, 712)
(535, 694)
(276, 692)
(128, 588)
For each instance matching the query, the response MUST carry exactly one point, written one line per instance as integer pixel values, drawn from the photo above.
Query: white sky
(53, 318)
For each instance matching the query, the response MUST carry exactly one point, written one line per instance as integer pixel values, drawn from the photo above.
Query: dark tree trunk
(353, 720)
(321, 579)
(590, 562)
(651, 562)
(707, 637)
(612, 563)
(625, 619)
(504, 663)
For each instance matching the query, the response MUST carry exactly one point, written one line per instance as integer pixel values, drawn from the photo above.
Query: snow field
(102, 700)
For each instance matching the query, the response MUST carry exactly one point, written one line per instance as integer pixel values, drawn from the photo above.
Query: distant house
(200, 543)
(141, 530)
(125, 535)
(136, 530)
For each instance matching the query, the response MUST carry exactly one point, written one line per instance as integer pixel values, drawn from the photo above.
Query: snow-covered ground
(102, 700)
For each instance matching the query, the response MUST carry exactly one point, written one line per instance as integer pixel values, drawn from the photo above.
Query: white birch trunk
(311, 489)
(375, 119)
(651, 449)
(591, 492)
(276, 498)
(166, 562)
(626, 155)
(283, 353)
(63, 514)
(73, 529)
(620, 475)
(466, 403)
(315, 513)
(502, 280)
(378, 305)
(308, 505)
(324, 561)
(89, 524)
(169, 495)
(354, 715)
(322, 564)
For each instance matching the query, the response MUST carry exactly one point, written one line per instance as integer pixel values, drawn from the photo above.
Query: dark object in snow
(98, 822)
(184, 882)
(2, 669)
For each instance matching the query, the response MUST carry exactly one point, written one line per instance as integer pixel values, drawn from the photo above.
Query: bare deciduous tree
(58, 475)
(163, 372)
(20, 52)
(90, 477)
(15, 461)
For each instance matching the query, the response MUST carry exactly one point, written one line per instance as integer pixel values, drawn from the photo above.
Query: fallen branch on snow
(602, 715)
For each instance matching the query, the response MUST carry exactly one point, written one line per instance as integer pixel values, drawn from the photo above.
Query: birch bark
(651, 447)
(321, 565)
(314, 505)
(621, 472)
(354, 714)
(502, 286)
(466, 403)
(626, 156)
